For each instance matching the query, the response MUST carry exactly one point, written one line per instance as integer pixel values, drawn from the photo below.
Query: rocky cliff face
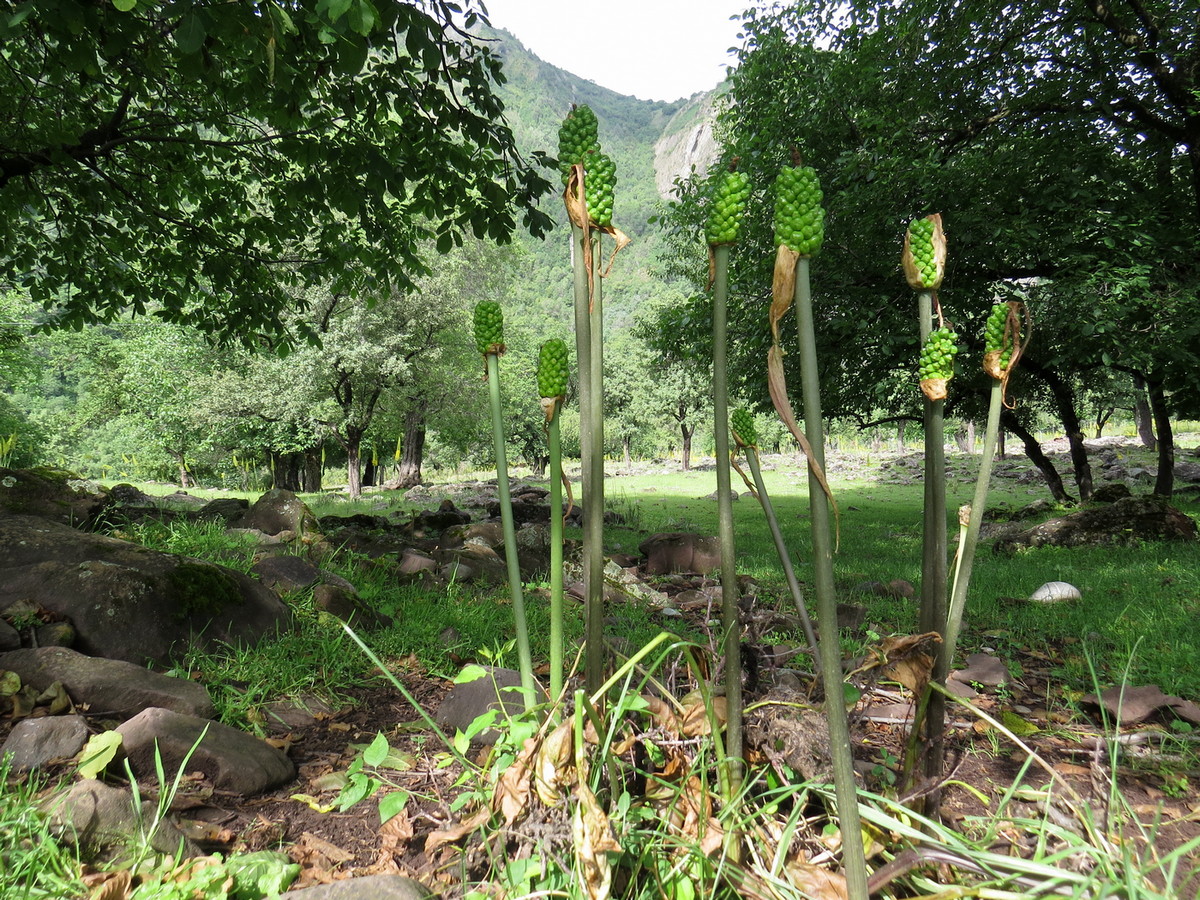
(686, 143)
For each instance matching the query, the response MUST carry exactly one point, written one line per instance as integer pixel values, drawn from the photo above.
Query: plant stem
(933, 565)
(556, 556)
(854, 862)
(589, 352)
(528, 686)
(781, 548)
(730, 615)
(966, 558)
(593, 510)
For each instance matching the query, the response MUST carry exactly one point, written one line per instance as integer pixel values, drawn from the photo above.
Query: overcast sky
(650, 49)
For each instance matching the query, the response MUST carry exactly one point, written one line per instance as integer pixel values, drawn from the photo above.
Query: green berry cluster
(993, 335)
(489, 326)
(742, 423)
(920, 244)
(799, 217)
(728, 208)
(598, 186)
(937, 356)
(552, 369)
(578, 136)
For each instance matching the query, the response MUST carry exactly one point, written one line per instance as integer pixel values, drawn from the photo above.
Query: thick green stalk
(854, 862)
(730, 616)
(589, 351)
(556, 556)
(528, 686)
(593, 510)
(933, 565)
(785, 557)
(966, 555)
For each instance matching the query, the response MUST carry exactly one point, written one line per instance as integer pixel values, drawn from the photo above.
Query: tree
(1058, 140)
(201, 161)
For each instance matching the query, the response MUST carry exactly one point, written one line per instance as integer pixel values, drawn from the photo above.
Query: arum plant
(799, 233)
(724, 224)
(1002, 349)
(489, 340)
(745, 435)
(589, 176)
(552, 374)
(923, 260)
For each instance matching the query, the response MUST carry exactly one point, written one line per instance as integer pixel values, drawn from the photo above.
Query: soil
(333, 844)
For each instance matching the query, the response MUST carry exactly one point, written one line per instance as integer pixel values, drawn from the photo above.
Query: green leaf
(190, 34)
(124, 5)
(100, 750)
(470, 673)
(377, 752)
(391, 805)
(262, 874)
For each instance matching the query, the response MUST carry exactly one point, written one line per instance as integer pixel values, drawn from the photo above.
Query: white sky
(650, 49)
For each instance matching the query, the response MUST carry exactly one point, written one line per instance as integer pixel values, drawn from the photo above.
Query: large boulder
(680, 551)
(126, 601)
(109, 687)
(1129, 520)
(48, 493)
(279, 511)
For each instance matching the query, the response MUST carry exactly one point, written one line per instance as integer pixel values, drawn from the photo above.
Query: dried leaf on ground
(511, 798)
(695, 717)
(109, 885)
(553, 768)
(594, 840)
(457, 831)
(1130, 705)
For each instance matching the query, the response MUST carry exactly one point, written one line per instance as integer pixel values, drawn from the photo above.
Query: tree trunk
(310, 479)
(964, 436)
(285, 470)
(627, 450)
(412, 450)
(1102, 417)
(354, 462)
(1000, 443)
(185, 476)
(1143, 417)
(900, 436)
(1034, 451)
(1064, 403)
(687, 445)
(1164, 483)
(370, 472)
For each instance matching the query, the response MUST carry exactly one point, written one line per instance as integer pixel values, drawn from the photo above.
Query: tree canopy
(203, 161)
(1056, 137)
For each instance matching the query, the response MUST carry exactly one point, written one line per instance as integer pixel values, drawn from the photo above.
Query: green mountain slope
(650, 141)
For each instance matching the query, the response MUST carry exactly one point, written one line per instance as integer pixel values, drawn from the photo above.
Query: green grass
(33, 864)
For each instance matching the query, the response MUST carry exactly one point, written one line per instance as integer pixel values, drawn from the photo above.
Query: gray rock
(1127, 521)
(483, 563)
(107, 686)
(346, 605)
(35, 742)
(10, 638)
(680, 552)
(48, 494)
(278, 511)
(414, 561)
(296, 712)
(233, 760)
(369, 887)
(469, 700)
(286, 573)
(103, 818)
(227, 509)
(128, 602)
